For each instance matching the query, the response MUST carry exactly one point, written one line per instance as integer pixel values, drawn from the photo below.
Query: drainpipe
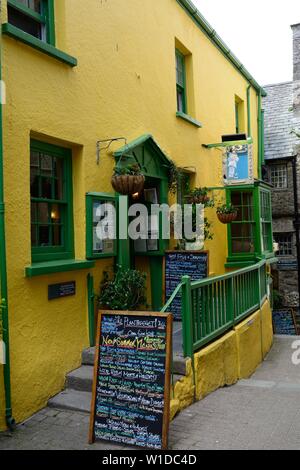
(249, 111)
(259, 137)
(297, 218)
(10, 422)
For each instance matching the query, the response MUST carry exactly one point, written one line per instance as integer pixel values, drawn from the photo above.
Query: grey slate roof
(279, 121)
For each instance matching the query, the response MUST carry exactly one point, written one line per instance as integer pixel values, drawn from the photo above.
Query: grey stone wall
(296, 49)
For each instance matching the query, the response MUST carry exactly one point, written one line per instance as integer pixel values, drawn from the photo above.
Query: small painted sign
(238, 164)
(64, 289)
(284, 322)
(287, 265)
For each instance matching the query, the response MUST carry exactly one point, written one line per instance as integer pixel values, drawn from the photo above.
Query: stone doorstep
(81, 379)
(72, 400)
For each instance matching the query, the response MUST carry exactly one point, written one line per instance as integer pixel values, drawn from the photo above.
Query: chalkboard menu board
(131, 392)
(284, 322)
(183, 263)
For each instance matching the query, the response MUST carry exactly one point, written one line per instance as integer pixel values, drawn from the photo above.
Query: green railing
(212, 306)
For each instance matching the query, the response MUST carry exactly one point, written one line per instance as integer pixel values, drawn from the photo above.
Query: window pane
(56, 235)
(34, 241)
(46, 165)
(58, 173)
(279, 177)
(32, 4)
(46, 188)
(43, 213)
(44, 235)
(25, 23)
(180, 101)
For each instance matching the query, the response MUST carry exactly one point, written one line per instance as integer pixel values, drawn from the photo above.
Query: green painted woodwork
(263, 136)
(91, 309)
(260, 136)
(90, 199)
(65, 205)
(156, 272)
(249, 111)
(228, 144)
(123, 256)
(48, 49)
(4, 305)
(45, 17)
(207, 29)
(213, 306)
(259, 216)
(181, 82)
(39, 17)
(189, 119)
(60, 266)
(155, 165)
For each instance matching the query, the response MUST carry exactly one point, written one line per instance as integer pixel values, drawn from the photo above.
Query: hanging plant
(227, 213)
(128, 180)
(173, 177)
(200, 196)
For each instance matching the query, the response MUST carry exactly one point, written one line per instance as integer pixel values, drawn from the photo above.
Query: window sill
(18, 34)
(189, 119)
(60, 266)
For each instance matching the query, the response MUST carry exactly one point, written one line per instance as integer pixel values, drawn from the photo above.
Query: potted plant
(125, 290)
(128, 179)
(200, 196)
(227, 213)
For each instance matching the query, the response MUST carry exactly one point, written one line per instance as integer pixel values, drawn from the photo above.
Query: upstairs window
(181, 82)
(34, 17)
(279, 176)
(239, 115)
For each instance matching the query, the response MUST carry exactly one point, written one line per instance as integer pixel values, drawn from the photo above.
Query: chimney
(296, 35)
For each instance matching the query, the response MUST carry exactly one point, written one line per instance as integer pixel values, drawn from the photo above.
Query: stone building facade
(282, 170)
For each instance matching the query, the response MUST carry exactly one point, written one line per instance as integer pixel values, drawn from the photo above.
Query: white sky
(258, 32)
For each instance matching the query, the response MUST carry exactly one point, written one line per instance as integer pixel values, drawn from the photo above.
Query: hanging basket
(227, 218)
(199, 199)
(128, 184)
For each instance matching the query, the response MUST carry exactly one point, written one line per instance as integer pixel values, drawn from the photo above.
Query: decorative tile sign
(64, 289)
(131, 391)
(238, 164)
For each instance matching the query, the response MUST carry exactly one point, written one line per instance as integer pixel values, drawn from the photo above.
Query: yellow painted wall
(234, 356)
(124, 85)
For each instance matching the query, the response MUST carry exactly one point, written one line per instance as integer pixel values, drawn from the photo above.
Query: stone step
(88, 357)
(72, 400)
(81, 379)
(179, 363)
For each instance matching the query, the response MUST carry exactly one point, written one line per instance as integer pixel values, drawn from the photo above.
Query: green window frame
(266, 221)
(181, 91)
(34, 17)
(251, 235)
(93, 199)
(51, 192)
(243, 229)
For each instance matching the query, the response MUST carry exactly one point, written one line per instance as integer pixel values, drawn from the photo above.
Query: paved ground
(260, 413)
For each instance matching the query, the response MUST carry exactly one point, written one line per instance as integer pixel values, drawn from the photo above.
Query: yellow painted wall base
(234, 356)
